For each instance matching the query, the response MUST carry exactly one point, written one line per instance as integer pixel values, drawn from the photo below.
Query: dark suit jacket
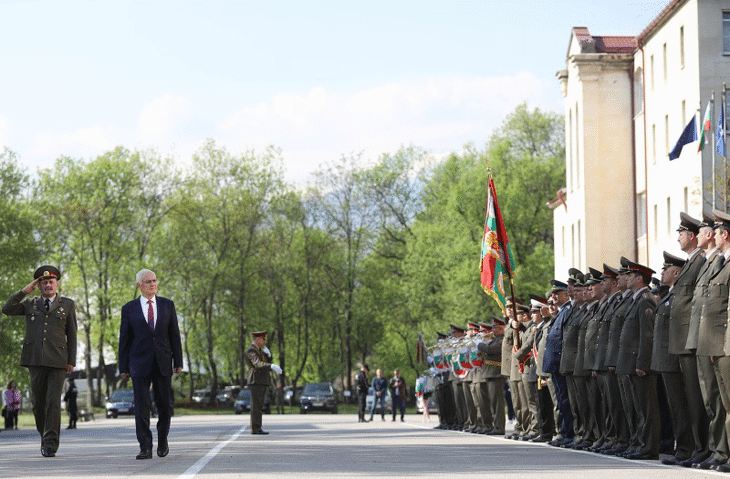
(139, 347)
(617, 323)
(554, 341)
(661, 360)
(571, 333)
(50, 337)
(681, 312)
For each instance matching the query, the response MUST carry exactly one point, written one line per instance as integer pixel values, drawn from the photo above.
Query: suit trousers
(46, 386)
(587, 431)
(647, 413)
(445, 399)
(627, 401)
(519, 402)
(545, 409)
(596, 418)
(722, 373)
(459, 402)
(678, 407)
(258, 392)
(161, 389)
(697, 411)
(481, 396)
(578, 424)
(563, 403)
(713, 405)
(495, 400)
(617, 431)
(533, 415)
(471, 409)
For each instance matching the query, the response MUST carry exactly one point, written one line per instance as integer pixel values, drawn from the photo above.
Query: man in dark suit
(149, 344)
(49, 349)
(259, 358)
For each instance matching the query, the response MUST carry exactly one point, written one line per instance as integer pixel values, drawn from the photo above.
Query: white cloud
(158, 119)
(84, 142)
(4, 131)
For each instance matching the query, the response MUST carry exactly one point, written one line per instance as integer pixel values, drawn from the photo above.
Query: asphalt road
(309, 446)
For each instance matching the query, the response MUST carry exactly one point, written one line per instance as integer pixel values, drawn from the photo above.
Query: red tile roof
(615, 44)
(668, 11)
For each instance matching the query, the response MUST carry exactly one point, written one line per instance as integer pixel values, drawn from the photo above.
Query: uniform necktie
(150, 315)
(48, 304)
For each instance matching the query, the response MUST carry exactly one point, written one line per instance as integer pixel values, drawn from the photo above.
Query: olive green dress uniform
(624, 386)
(710, 357)
(701, 429)
(471, 409)
(571, 331)
(546, 398)
(528, 378)
(519, 397)
(581, 374)
(668, 366)
(259, 379)
(679, 319)
(481, 394)
(615, 426)
(597, 405)
(492, 351)
(48, 348)
(635, 351)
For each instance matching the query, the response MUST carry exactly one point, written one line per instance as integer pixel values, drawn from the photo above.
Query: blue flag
(720, 134)
(688, 136)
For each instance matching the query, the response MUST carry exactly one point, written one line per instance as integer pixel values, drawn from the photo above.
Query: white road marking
(195, 468)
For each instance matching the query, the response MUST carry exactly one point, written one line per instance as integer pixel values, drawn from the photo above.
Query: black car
(318, 397)
(120, 402)
(243, 402)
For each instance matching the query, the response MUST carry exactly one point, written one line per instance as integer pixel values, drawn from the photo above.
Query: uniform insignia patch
(649, 313)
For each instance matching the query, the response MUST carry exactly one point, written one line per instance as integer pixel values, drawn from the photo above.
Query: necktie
(48, 304)
(150, 315)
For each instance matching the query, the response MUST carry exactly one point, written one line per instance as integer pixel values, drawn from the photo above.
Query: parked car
(121, 401)
(201, 396)
(318, 397)
(228, 395)
(291, 395)
(370, 398)
(243, 402)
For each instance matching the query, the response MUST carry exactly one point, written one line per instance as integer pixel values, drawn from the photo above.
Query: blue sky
(318, 79)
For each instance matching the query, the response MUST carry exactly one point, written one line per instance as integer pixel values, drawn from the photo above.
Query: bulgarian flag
(497, 258)
(706, 126)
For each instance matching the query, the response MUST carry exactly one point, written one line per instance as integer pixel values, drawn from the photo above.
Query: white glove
(266, 351)
(276, 369)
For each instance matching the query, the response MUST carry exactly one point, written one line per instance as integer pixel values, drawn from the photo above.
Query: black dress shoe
(259, 432)
(146, 454)
(163, 451)
(641, 457)
(538, 439)
(723, 468)
(689, 462)
(47, 452)
(708, 463)
(671, 461)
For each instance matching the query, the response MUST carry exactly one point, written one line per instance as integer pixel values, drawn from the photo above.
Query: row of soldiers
(588, 365)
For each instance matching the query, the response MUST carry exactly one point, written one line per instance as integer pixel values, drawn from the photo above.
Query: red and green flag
(706, 126)
(497, 261)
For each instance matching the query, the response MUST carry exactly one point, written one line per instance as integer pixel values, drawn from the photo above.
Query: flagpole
(724, 153)
(714, 172)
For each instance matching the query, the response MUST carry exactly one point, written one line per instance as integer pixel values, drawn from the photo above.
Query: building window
(681, 47)
(664, 62)
(638, 91)
(577, 148)
(569, 149)
(669, 216)
(726, 32)
(653, 144)
(580, 264)
(666, 134)
(684, 112)
(656, 223)
(572, 240)
(686, 199)
(651, 72)
(641, 214)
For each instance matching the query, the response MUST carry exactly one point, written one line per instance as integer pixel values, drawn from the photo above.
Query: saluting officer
(49, 349)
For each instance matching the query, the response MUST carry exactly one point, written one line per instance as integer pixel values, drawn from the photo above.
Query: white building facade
(627, 100)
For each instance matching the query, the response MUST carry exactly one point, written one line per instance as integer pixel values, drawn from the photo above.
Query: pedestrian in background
(380, 388)
(362, 392)
(398, 393)
(12, 406)
(70, 399)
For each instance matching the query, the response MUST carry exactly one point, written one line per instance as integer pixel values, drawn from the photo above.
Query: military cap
(557, 286)
(473, 325)
(654, 286)
(671, 260)
(722, 219)
(521, 308)
(573, 274)
(47, 272)
(485, 327)
(708, 220)
(641, 269)
(579, 281)
(594, 276)
(441, 335)
(687, 223)
(624, 265)
(259, 334)
(609, 272)
(498, 321)
(537, 302)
